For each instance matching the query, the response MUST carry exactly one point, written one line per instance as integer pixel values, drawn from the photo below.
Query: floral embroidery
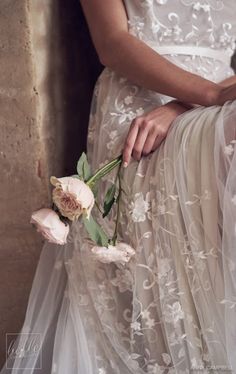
(169, 28)
(128, 100)
(102, 371)
(149, 312)
(136, 326)
(229, 149)
(139, 207)
(173, 313)
(123, 280)
(126, 114)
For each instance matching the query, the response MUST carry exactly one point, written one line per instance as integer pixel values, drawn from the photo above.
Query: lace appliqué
(169, 27)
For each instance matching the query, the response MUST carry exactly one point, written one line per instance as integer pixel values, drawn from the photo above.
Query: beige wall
(48, 69)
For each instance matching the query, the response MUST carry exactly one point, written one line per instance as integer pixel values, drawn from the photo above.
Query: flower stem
(118, 209)
(104, 170)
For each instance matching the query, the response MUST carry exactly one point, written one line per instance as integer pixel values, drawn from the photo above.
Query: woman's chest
(208, 22)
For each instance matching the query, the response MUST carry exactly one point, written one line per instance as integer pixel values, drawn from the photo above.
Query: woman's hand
(148, 131)
(227, 93)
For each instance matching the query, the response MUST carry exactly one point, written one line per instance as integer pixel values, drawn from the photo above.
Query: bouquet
(74, 197)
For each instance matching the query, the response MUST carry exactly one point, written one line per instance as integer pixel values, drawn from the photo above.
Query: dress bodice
(208, 24)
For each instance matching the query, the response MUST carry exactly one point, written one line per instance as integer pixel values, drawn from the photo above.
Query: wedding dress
(172, 308)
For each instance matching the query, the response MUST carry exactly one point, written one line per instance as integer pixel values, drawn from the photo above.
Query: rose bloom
(50, 226)
(121, 253)
(72, 197)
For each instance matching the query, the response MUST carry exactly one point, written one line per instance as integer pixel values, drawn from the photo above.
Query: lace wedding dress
(172, 308)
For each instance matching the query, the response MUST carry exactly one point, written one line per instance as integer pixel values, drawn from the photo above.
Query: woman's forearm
(132, 58)
(229, 81)
(142, 65)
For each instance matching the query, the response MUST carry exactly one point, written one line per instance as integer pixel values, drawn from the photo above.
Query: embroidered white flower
(136, 26)
(205, 7)
(127, 115)
(135, 326)
(175, 338)
(140, 111)
(194, 363)
(139, 207)
(123, 280)
(120, 253)
(173, 313)
(206, 195)
(128, 100)
(163, 267)
(102, 371)
(150, 323)
(114, 136)
(145, 314)
(229, 150)
(161, 209)
(155, 369)
(166, 358)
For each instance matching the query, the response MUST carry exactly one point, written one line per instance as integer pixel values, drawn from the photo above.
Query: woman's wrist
(180, 106)
(226, 94)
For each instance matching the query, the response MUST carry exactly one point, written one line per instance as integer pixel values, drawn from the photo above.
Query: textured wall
(23, 165)
(48, 69)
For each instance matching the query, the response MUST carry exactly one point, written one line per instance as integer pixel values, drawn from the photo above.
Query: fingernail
(125, 164)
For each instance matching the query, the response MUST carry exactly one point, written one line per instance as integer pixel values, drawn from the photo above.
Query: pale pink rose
(72, 197)
(50, 226)
(121, 252)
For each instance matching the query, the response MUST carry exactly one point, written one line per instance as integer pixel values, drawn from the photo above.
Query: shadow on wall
(79, 69)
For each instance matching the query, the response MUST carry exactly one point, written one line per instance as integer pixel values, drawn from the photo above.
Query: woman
(166, 102)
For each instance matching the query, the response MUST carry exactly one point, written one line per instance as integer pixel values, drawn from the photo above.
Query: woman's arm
(135, 60)
(229, 81)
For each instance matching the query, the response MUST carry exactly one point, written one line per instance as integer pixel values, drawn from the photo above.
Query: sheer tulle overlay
(172, 308)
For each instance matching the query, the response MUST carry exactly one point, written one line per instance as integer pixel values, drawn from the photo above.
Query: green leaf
(83, 168)
(95, 232)
(109, 199)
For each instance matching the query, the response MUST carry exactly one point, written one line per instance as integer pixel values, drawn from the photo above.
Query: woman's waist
(222, 55)
(213, 70)
(209, 63)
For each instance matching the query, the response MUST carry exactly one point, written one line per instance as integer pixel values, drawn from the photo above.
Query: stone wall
(48, 69)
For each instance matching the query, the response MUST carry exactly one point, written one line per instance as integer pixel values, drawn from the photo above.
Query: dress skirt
(172, 308)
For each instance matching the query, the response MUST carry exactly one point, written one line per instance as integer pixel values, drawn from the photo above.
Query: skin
(130, 57)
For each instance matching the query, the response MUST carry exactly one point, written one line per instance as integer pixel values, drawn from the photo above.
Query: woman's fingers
(130, 141)
(141, 139)
(144, 136)
(150, 140)
(159, 139)
(144, 131)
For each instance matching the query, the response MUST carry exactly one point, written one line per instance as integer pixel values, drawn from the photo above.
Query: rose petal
(72, 196)
(50, 226)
